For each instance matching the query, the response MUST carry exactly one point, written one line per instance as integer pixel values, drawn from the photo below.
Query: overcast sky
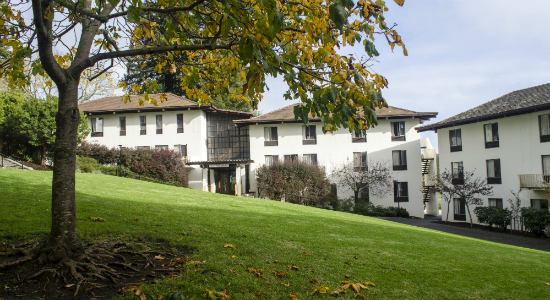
(462, 53)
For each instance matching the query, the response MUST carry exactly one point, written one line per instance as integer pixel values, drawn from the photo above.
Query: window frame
(459, 179)
(494, 143)
(498, 202)
(398, 136)
(398, 187)
(496, 179)
(541, 202)
(402, 157)
(269, 140)
(122, 125)
(359, 136)
(459, 216)
(307, 134)
(310, 160)
(159, 128)
(93, 123)
(458, 146)
(142, 125)
(545, 175)
(363, 166)
(290, 157)
(274, 159)
(546, 137)
(179, 123)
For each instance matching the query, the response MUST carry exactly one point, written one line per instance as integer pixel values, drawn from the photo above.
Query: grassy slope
(404, 261)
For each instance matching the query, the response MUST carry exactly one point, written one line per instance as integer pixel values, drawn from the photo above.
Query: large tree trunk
(63, 242)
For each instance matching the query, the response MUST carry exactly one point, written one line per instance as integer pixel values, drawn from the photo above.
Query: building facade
(505, 141)
(226, 147)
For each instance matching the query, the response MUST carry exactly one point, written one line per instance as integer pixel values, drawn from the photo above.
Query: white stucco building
(506, 141)
(226, 147)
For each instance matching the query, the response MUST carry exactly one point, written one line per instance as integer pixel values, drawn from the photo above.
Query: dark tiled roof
(518, 102)
(172, 102)
(286, 114)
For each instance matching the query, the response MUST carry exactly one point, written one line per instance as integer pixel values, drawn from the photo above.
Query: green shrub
(535, 220)
(493, 216)
(369, 209)
(297, 181)
(87, 164)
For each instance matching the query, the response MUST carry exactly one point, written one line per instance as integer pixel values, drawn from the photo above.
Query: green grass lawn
(405, 262)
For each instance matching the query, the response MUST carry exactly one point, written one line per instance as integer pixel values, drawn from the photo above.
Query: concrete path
(542, 244)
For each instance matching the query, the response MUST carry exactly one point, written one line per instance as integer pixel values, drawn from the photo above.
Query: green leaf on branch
(337, 15)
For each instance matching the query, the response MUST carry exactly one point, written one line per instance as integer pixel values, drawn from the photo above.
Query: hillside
(327, 247)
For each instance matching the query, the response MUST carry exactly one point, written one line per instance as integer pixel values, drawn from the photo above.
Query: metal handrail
(11, 158)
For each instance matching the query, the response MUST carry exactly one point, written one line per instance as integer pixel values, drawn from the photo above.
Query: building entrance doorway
(225, 182)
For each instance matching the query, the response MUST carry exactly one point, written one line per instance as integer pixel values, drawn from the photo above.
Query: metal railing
(133, 175)
(534, 181)
(13, 160)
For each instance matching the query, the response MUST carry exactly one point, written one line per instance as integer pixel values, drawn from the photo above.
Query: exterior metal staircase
(426, 191)
(426, 165)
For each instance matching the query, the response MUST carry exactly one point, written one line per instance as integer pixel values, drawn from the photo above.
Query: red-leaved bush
(161, 164)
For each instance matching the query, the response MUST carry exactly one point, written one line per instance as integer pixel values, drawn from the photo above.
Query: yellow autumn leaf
(292, 297)
(399, 2)
(229, 246)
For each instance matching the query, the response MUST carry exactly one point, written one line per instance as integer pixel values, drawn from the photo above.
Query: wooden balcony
(534, 181)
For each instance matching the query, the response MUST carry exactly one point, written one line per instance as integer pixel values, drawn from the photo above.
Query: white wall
(194, 134)
(333, 149)
(519, 151)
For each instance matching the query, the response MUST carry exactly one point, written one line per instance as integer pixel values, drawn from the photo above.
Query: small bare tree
(376, 177)
(471, 190)
(445, 187)
(515, 208)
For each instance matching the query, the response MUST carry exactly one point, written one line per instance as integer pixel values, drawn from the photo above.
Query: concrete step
(7, 163)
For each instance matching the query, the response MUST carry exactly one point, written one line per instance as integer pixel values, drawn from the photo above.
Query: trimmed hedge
(493, 216)
(535, 220)
(369, 209)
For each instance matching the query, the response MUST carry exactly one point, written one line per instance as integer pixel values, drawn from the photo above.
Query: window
(363, 194)
(334, 189)
(455, 140)
(493, 171)
(271, 159)
(181, 149)
(544, 125)
(122, 121)
(458, 172)
(539, 204)
(459, 209)
(97, 127)
(159, 124)
(399, 159)
(310, 158)
(359, 136)
(546, 168)
(400, 191)
(397, 131)
(291, 157)
(309, 136)
(143, 147)
(142, 125)
(179, 122)
(360, 162)
(491, 135)
(270, 136)
(494, 202)
(161, 147)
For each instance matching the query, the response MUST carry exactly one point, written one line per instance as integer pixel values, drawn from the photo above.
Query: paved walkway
(542, 244)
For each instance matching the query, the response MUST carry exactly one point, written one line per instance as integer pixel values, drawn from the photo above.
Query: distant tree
(445, 187)
(11, 110)
(471, 190)
(376, 178)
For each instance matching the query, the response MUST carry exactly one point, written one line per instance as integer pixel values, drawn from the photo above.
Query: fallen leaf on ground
(547, 283)
(135, 219)
(286, 284)
(280, 274)
(229, 246)
(322, 290)
(305, 254)
(293, 268)
(213, 295)
(233, 256)
(159, 257)
(69, 285)
(141, 295)
(3, 249)
(348, 276)
(234, 272)
(292, 297)
(355, 295)
(96, 219)
(313, 281)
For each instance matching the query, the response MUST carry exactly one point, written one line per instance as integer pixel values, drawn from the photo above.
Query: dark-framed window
(457, 169)
(159, 124)
(546, 168)
(161, 147)
(270, 136)
(493, 171)
(142, 125)
(360, 161)
(491, 135)
(544, 128)
(181, 149)
(310, 158)
(309, 135)
(271, 159)
(363, 194)
(400, 191)
(496, 202)
(143, 147)
(122, 122)
(359, 136)
(291, 157)
(455, 140)
(397, 131)
(225, 140)
(179, 122)
(459, 206)
(97, 127)
(399, 160)
(539, 203)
